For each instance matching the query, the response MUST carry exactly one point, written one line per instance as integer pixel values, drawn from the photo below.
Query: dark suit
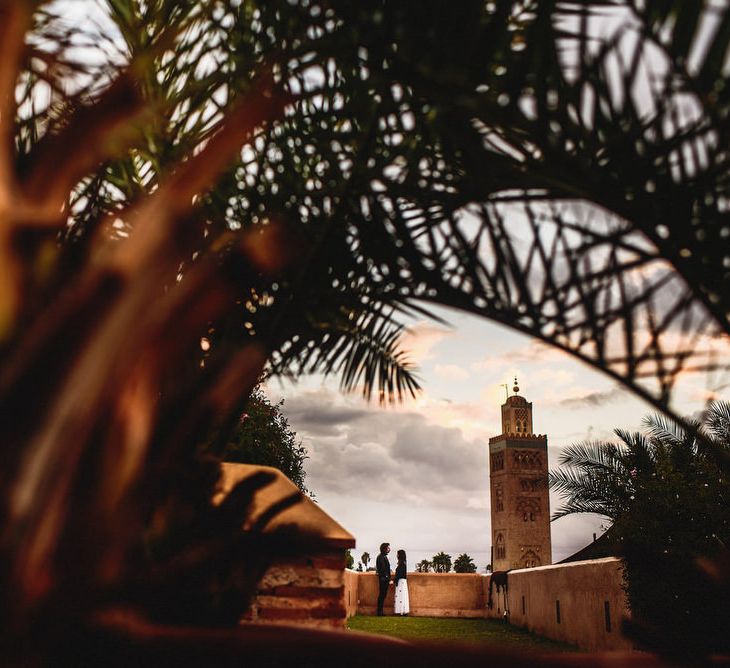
(382, 568)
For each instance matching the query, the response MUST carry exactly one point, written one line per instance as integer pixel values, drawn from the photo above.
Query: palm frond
(592, 455)
(593, 478)
(584, 491)
(717, 419)
(666, 430)
(361, 344)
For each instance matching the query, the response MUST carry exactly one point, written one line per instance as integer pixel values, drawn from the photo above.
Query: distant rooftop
(603, 546)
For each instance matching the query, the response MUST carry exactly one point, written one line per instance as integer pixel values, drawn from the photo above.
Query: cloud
(478, 503)
(419, 339)
(552, 377)
(317, 414)
(399, 455)
(451, 372)
(478, 419)
(593, 399)
(532, 353)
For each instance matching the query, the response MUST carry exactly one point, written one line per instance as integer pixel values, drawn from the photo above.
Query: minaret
(518, 473)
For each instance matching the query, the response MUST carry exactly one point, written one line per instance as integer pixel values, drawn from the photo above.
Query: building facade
(518, 474)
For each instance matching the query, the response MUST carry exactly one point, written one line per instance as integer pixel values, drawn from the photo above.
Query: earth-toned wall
(351, 593)
(588, 594)
(431, 594)
(307, 591)
(581, 603)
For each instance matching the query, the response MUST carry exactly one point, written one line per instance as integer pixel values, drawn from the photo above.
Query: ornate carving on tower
(520, 502)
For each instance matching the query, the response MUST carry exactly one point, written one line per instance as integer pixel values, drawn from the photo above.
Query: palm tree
(130, 260)
(535, 130)
(441, 562)
(464, 564)
(423, 566)
(365, 559)
(664, 494)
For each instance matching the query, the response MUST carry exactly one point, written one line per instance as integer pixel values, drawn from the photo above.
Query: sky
(416, 474)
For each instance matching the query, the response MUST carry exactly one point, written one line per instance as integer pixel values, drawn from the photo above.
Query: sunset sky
(416, 475)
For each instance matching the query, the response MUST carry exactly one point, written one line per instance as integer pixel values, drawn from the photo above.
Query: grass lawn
(472, 631)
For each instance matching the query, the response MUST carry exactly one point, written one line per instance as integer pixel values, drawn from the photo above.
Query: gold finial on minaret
(516, 388)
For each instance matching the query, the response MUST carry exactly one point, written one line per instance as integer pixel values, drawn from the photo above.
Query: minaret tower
(518, 475)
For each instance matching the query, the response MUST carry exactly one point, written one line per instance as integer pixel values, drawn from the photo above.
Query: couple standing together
(382, 567)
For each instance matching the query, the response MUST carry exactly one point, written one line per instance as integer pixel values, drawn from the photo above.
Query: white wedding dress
(402, 605)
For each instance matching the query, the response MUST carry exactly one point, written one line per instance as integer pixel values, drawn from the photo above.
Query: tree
(349, 559)
(359, 567)
(423, 566)
(665, 495)
(365, 559)
(263, 436)
(441, 562)
(464, 564)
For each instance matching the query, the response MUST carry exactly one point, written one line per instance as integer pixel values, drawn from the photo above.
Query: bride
(402, 606)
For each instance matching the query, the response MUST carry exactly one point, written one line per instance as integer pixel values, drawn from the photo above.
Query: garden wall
(351, 592)
(431, 594)
(306, 590)
(581, 603)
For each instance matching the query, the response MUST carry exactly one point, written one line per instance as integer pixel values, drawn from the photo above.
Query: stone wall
(588, 595)
(308, 591)
(431, 595)
(581, 603)
(351, 593)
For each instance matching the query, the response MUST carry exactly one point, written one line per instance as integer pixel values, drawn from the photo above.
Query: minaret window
(499, 551)
(530, 484)
(528, 508)
(530, 559)
(526, 460)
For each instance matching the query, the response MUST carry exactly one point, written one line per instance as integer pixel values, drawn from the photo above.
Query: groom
(382, 567)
